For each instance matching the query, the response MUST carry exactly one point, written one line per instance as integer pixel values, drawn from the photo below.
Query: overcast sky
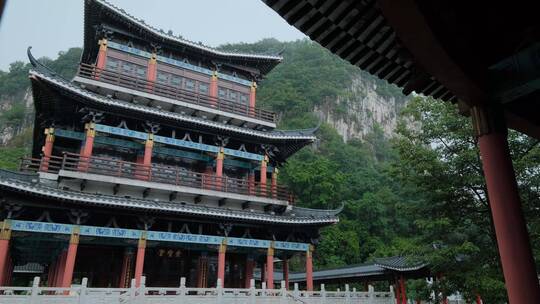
(50, 26)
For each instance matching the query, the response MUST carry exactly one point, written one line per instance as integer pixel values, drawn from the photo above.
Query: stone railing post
(219, 290)
(182, 289)
(82, 291)
(34, 295)
(371, 294)
(392, 295)
(283, 298)
(142, 288)
(132, 291)
(296, 292)
(347, 294)
(252, 292)
(323, 294)
(263, 287)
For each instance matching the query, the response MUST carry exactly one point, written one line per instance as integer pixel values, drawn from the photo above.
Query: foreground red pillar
(127, 262)
(139, 263)
(510, 228)
(286, 272)
(270, 268)
(221, 262)
(309, 269)
(5, 236)
(398, 292)
(67, 277)
(250, 265)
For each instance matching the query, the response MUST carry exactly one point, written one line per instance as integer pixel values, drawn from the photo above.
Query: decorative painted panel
(175, 62)
(121, 132)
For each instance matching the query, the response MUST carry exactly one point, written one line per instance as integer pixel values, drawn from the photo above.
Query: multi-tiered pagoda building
(154, 161)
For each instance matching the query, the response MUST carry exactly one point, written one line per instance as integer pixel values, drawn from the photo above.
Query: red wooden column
(60, 266)
(219, 168)
(221, 262)
(5, 237)
(250, 265)
(202, 271)
(274, 182)
(101, 60)
(51, 274)
(403, 290)
(262, 183)
(309, 269)
(86, 153)
(252, 98)
(478, 299)
(147, 158)
(127, 265)
(71, 255)
(139, 263)
(270, 268)
(47, 149)
(263, 272)
(398, 292)
(213, 89)
(510, 228)
(151, 71)
(251, 182)
(286, 272)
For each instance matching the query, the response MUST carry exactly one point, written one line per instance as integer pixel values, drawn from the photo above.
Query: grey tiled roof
(399, 263)
(181, 41)
(30, 185)
(380, 267)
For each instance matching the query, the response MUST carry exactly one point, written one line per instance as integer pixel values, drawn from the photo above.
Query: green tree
(440, 163)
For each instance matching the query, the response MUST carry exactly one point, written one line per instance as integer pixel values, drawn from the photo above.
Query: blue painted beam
(108, 232)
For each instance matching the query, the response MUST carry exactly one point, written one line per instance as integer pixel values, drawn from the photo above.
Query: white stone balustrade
(157, 295)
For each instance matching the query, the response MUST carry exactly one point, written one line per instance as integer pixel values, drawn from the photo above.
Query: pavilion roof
(47, 86)
(379, 269)
(96, 12)
(31, 185)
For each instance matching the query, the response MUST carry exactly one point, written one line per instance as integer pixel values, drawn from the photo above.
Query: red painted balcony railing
(143, 85)
(154, 173)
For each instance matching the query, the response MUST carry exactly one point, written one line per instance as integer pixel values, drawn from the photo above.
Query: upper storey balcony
(104, 175)
(154, 94)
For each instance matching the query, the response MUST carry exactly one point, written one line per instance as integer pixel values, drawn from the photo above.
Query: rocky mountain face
(16, 116)
(365, 105)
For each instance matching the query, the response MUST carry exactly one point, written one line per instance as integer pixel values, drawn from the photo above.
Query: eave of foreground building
(31, 184)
